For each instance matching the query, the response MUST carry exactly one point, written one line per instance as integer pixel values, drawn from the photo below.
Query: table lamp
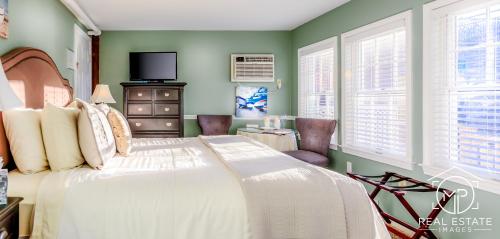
(102, 95)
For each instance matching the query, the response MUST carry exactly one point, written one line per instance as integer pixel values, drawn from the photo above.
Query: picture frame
(251, 102)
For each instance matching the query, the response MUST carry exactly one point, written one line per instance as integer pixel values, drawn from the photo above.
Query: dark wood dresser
(154, 110)
(9, 218)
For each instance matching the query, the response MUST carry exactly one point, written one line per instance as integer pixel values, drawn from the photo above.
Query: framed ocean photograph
(4, 19)
(251, 102)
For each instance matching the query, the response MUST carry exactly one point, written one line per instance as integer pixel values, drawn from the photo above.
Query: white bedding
(25, 186)
(191, 188)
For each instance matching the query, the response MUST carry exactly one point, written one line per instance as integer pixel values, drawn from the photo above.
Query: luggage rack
(383, 182)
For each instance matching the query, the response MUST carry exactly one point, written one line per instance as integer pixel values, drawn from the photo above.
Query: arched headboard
(36, 80)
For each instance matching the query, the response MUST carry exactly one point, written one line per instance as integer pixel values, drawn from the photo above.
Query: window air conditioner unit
(252, 67)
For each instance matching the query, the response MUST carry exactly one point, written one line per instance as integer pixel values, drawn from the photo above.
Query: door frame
(78, 34)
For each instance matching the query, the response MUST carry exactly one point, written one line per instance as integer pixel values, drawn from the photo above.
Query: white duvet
(207, 187)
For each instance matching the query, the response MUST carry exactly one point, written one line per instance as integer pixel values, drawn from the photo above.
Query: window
(462, 86)
(317, 84)
(376, 84)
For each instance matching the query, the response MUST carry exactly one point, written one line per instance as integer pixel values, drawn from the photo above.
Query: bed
(201, 187)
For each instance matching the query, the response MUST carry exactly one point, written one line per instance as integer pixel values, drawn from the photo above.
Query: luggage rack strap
(399, 192)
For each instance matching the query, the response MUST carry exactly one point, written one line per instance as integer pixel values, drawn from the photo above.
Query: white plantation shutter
(317, 84)
(462, 87)
(376, 83)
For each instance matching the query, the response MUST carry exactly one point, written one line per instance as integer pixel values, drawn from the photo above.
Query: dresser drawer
(140, 94)
(139, 109)
(167, 94)
(154, 124)
(166, 109)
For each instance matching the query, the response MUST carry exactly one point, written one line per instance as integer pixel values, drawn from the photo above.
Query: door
(83, 64)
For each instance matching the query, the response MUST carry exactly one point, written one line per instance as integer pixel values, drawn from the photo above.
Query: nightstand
(9, 218)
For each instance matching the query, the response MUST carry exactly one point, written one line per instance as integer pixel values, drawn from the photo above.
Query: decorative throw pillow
(95, 134)
(60, 137)
(23, 130)
(121, 131)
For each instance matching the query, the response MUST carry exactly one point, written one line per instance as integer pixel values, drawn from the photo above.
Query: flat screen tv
(153, 66)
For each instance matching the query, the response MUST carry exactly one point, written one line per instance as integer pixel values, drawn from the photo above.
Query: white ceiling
(204, 14)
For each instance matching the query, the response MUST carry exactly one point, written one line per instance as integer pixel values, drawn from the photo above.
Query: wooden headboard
(34, 77)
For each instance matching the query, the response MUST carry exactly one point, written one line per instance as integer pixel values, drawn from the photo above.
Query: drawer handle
(167, 109)
(169, 124)
(139, 94)
(4, 233)
(138, 124)
(140, 109)
(167, 94)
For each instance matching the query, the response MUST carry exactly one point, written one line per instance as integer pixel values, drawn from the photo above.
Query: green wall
(204, 65)
(47, 25)
(203, 62)
(357, 13)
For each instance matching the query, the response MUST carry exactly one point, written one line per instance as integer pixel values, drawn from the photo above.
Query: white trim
(484, 184)
(408, 165)
(190, 117)
(384, 23)
(331, 42)
(406, 17)
(78, 34)
(430, 10)
(439, 5)
(311, 48)
(73, 6)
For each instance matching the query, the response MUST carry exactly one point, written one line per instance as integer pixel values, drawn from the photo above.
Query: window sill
(334, 146)
(408, 165)
(445, 173)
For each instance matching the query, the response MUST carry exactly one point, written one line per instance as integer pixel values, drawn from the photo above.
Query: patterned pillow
(121, 131)
(95, 135)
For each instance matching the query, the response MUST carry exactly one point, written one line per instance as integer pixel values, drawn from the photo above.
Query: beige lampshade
(8, 99)
(102, 95)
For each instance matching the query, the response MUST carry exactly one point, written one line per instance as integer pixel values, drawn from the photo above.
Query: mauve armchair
(215, 124)
(315, 135)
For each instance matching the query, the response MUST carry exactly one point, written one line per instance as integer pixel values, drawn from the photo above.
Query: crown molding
(73, 6)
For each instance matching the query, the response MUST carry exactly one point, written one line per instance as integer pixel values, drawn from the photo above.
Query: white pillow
(95, 135)
(121, 131)
(23, 130)
(60, 137)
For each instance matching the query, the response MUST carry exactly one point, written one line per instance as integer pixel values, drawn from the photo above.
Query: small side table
(281, 140)
(9, 218)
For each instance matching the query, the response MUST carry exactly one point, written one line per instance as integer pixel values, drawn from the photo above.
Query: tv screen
(153, 66)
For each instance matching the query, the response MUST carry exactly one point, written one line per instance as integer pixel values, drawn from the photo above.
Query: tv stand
(154, 109)
(158, 81)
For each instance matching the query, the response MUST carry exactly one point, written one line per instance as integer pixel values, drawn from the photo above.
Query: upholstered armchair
(215, 124)
(315, 135)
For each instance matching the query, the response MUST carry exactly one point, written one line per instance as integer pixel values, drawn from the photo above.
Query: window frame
(430, 168)
(374, 29)
(331, 42)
